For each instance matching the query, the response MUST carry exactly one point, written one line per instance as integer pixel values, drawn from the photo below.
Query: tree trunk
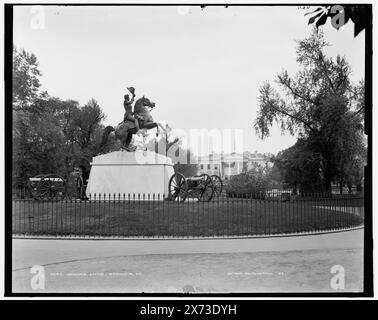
(328, 179)
(328, 185)
(295, 190)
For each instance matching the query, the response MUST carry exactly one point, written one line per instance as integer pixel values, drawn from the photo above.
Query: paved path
(300, 263)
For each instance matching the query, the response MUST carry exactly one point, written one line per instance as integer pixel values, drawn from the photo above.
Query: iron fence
(153, 216)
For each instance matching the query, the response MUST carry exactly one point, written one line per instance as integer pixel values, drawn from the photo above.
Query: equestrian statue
(133, 122)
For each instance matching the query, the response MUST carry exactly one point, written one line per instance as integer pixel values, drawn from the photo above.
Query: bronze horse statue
(125, 130)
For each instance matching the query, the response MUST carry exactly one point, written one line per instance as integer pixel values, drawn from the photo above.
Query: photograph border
(368, 228)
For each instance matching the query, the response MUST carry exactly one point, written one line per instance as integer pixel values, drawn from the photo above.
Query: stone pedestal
(122, 172)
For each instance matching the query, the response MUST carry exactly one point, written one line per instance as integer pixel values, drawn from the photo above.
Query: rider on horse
(128, 105)
(133, 121)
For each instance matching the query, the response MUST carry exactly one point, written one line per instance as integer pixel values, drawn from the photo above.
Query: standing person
(128, 105)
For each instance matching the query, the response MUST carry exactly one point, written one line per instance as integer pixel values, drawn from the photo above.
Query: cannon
(54, 187)
(203, 187)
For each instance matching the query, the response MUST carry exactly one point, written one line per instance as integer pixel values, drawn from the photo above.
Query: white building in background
(227, 165)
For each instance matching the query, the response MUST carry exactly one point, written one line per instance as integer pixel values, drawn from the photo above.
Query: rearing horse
(125, 130)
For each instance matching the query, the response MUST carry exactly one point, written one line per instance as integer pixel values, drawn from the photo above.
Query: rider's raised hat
(131, 89)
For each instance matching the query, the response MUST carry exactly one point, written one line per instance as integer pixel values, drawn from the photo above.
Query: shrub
(249, 184)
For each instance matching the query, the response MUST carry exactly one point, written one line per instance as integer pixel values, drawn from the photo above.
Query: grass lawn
(220, 217)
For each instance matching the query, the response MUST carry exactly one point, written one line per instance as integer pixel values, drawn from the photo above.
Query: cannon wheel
(52, 187)
(218, 185)
(178, 187)
(207, 188)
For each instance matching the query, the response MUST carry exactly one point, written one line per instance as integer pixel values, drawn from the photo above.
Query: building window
(208, 166)
(215, 167)
(201, 166)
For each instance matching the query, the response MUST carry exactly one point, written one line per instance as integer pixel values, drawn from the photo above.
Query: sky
(202, 68)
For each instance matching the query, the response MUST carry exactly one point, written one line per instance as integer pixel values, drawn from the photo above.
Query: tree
(88, 124)
(300, 168)
(38, 142)
(321, 105)
(87, 121)
(54, 136)
(354, 173)
(25, 78)
(275, 178)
